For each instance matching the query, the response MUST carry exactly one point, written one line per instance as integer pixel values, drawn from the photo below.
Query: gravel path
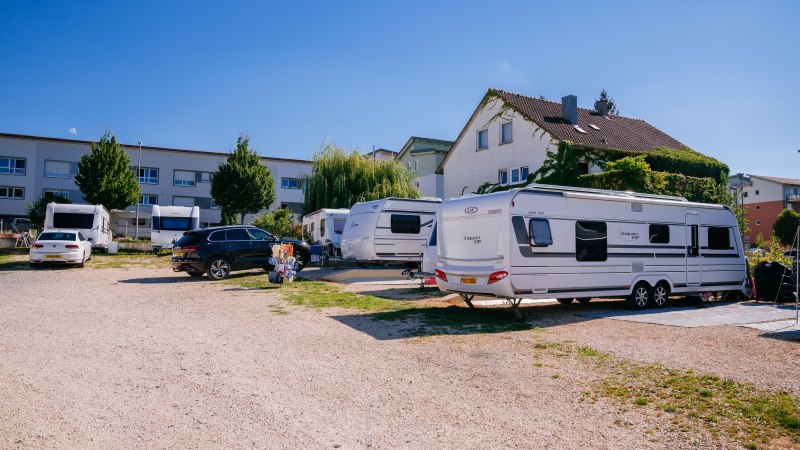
(143, 357)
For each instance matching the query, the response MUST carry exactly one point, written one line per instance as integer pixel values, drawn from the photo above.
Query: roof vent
(594, 127)
(569, 109)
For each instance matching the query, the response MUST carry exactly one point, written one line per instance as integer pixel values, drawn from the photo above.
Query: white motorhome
(325, 226)
(92, 220)
(170, 222)
(389, 230)
(570, 243)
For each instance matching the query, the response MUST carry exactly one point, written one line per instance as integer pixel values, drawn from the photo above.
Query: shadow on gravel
(458, 320)
(163, 280)
(413, 293)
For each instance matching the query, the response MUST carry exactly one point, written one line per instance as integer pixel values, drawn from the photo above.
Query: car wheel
(641, 297)
(300, 260)
(81, 264)
(565, 301)
(218, 268)
(584, 300)
(661, 295)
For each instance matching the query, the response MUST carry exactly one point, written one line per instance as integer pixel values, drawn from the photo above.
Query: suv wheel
(218, 268)
(300, 260)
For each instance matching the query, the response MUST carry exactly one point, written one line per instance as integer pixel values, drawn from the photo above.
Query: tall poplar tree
(105, 176)
(242, 184)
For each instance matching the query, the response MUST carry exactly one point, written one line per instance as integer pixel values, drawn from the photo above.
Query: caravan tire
(641, 297)
(661, 294)
(218, 268)
(584, 300)
(564, 301)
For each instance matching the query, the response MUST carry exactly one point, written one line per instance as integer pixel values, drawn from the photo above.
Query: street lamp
(138, 180)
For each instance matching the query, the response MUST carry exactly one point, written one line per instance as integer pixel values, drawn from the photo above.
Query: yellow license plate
(468, 280)
(52, 256)
(179, 254)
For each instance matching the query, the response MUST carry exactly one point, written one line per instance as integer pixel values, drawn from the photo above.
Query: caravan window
(659, 234)
(338, 225)
(539, 230)
(719, 238)
(73, 220)
(432, 241)
(591, 243)
(322, 227)
(405, 224)
(176, 223)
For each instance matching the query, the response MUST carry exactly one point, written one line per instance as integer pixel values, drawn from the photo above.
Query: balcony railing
(793, 198)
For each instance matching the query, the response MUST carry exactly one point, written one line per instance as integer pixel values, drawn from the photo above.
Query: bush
(785, 228)
(279, 222)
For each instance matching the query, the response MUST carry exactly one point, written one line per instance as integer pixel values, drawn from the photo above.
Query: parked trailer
(92, 220)
(170, 222)
(389, 230)
(325, 226)
(570, 243)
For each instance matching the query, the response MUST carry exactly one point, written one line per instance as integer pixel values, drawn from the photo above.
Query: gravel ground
(147, 358)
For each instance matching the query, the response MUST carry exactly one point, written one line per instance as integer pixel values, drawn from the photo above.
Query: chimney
(569, 109)
(602, 107)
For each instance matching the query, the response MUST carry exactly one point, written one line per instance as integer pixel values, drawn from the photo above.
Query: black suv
(218, 251)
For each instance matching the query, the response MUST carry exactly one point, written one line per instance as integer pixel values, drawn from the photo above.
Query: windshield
(338, 225)
(50, 236)
(73, 220)
(176, 223)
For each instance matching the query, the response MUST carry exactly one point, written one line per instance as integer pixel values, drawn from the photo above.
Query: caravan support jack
(467, 299)
(514, 302)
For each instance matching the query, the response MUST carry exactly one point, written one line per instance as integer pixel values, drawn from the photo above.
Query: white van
(388, 230)
(325, 226)
(570, 243)
(170, 222)
(92, 220)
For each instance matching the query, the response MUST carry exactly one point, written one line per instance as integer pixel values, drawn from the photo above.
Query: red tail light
(441, 275)
(37, 246)
(72, 246)
(188, 248)
(497, 276)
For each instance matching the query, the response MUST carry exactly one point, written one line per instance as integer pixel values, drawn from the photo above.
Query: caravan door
(693, 259)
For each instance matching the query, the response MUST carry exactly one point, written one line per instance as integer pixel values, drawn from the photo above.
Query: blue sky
(721, 77)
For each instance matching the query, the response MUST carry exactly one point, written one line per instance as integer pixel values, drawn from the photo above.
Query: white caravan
(170, 222)
(325, 226)
(571, 243)
(389, 230)
(92, 220)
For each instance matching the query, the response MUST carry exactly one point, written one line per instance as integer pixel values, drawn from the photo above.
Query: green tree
(279, 222)
(242, 184)
(561, 167)
(339, 179)
(105, 176)
(37, 209)
(611, 106)
(785, 228)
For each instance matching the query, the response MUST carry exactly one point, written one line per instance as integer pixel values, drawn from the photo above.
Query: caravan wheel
(641, 297)
(661, 295)
(564, 301)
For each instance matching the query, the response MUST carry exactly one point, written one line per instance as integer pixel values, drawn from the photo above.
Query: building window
(503, 177)
(524, 173)
(182, 201)
(205, 177)
(183, 178)
(214, 204)
(50, 194)
(416, 164)
(408, 165)
(591, 242)
(758, 222)
(12, 166)
(758, 207)
(148, 199)
(57, 169)
(745, 194)
(483, 139)
(756, 191)
(506, 134)
(293, 183)
(583, 168)
(148, 175)
(514, 175)
(16, 193)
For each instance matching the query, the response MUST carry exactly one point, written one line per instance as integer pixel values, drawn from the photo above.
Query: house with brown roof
(764, 198)
(508, 137)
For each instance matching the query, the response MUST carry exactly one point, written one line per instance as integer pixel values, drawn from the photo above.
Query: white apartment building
(35, 166)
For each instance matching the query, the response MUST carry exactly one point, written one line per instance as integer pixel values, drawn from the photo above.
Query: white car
(60, 247)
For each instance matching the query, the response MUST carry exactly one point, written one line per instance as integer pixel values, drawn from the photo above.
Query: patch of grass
(13, 262)
(556, 376)
(125, 260)
(640, 401)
